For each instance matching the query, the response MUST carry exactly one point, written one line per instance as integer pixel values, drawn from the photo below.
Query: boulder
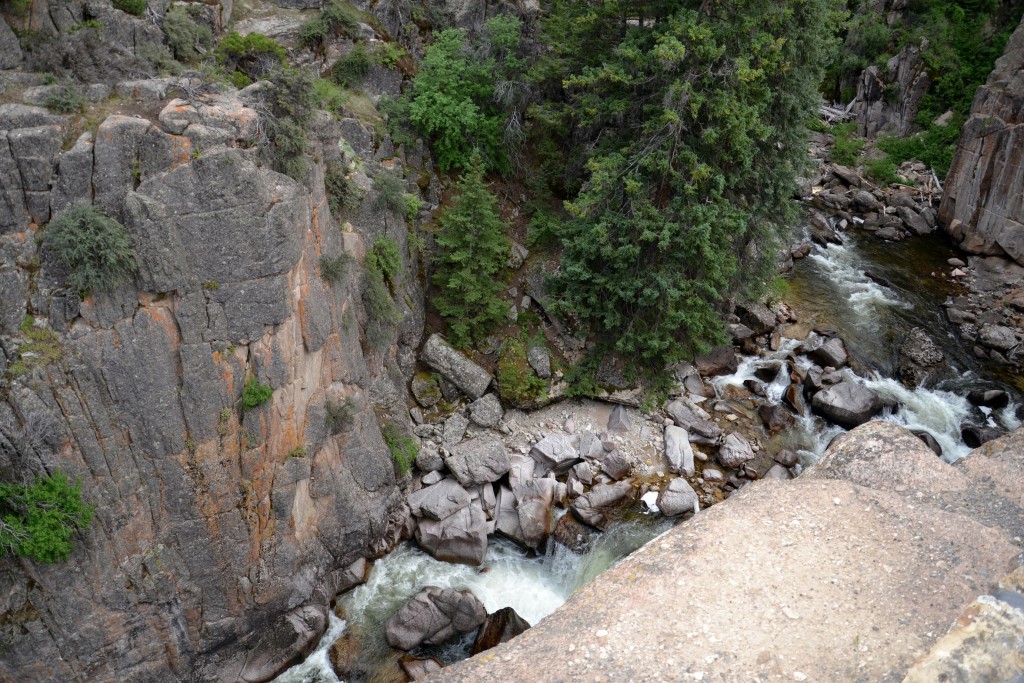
(459, 538)
(756, 316)
(974, 435)
(863, 201)
(439, 501)
(776, 418)
(498, 628)
(787, 458)
(616, 465)
(572, 533)
(831, 353)
(678, 451)
(928, 440)
(601, 504)
(619, 420)
(794, 398)
(478, 461)
(425, 391)
(533, 508)
(10, 49)
(454, 429)
(720, 360)
(553, 451)
(848, 404)
(989, 398)
(486, 411)
(433, 616)
(469, 377)
(696, 421)
(418, 669)
(734, 451)
(678, 498)
(540, 360)
(913, 221)
(998, 337)
(429, 459)
(918, 356)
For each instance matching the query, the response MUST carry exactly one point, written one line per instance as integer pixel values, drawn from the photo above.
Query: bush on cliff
(94, 248)
(37, 521)
(254, 54)
(255, 393)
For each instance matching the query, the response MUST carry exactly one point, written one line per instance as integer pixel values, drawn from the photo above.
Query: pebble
(799, 676)
(570, 426)
(731, 418)
(956, 263)
(601, 633)
(837, 501)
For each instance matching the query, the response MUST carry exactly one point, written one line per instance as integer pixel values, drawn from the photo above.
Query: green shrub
(94, 24)
(254, 54)
(160, 57)
(353, 67)
(341, 193)
(387, 259)
(382, 314)
(339, 416)
(330, 95)
(255, 393)
(337, 18)
(935, 146)
(518, 384)
(847, 147)
(390, 191)
(136, 7)
(297, 452)
(389, 55)
(66, 99)
(290, 102)
(37, 521)
(186, 35)
(40, 348)
(404, 449)
(882, 170)
(333, 268)
(94, 248)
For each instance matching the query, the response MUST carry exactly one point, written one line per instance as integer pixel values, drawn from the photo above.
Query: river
(869, 292)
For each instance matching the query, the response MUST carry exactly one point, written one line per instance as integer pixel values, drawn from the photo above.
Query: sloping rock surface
(862, 565)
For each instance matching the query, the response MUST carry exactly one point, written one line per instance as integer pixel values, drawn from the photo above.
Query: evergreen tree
(473, 247)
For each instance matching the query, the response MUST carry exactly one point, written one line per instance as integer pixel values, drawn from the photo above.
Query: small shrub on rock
(332, 268)
(404, 449)
(135, 7)
(94, 248)
(339, 416)
(186, 34)
(353, 67)
(255, 393)
(37, 521)
(253, 54)
(66, 99)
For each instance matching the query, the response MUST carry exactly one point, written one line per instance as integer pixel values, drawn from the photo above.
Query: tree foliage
(473, 248)
(94, 248)
(37, 521)
(690, 122)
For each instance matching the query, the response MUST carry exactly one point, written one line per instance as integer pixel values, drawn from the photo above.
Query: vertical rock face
(888, 99)
(221, 533)
(983, 204)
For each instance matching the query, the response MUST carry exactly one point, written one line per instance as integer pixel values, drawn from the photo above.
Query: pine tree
(473, 247)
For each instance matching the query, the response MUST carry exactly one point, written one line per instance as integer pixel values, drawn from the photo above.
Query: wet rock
(928, 440)
(775, 418)
(572, 533)
(919, 355)
(439, 501)
(540, 360)
(754, 387)
(787, 458)
(914, 221)
(418, 669)
(756, 316)
(974, 435)
(478, 461)
(793, 396)
(619, 420)
(678, 498)
(486, 411)
(295, 636)
(863, 201)
(460, 538)
(602, 503)
(678, 451)
(500, 627)
(455, 367)
(734, 451)
(553, 451)
(989, 398)
(433, 616)
(848, 404)
(696, 421)
(830, 354)
(583, 472)
(720, 360)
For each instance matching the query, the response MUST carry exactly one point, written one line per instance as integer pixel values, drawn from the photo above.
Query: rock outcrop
(983, 204)
(888, 98)
(221, 532)
(862, 563)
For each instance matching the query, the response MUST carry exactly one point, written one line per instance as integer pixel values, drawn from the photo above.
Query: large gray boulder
(848, 404)
(486, 411)
(478, 461)
(535, 502)
(756, 316)
(919, 355)
(696, 421)
(439, 501)
(553, 451)
(599, 506)
(831, 353)
(433, 616)
(678, 498)
(469, 377)
(460, 537)
(734, 451)
(678, 450)
(10, 50)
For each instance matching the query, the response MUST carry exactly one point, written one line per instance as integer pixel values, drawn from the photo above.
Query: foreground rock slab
(827, 562)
